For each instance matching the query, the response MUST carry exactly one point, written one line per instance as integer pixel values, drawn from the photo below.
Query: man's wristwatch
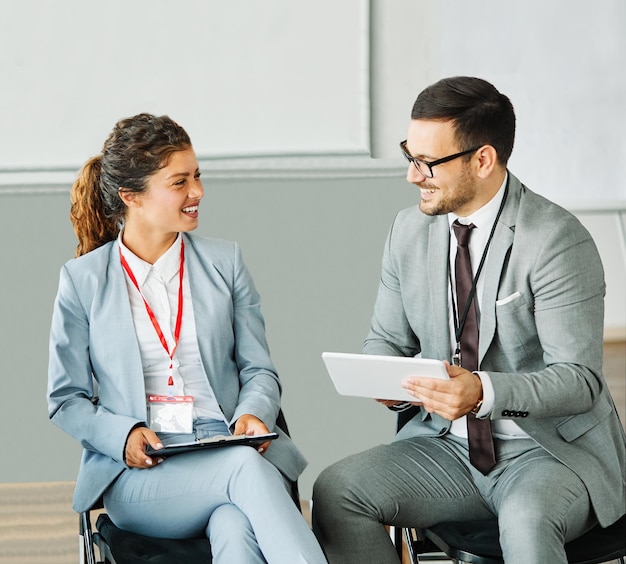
(477, 407)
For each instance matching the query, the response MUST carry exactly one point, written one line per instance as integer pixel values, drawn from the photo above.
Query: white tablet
(378, 377)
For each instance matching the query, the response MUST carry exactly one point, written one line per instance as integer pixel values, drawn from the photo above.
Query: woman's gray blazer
(92, 339)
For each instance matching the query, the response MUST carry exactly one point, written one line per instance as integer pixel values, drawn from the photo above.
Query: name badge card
(171, 414)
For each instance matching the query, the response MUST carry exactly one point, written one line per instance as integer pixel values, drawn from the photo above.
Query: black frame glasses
(426, 168)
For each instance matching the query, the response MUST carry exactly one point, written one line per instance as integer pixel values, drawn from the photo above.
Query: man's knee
(333, 494)
(534, 520)
(328, 486)
(346, 487)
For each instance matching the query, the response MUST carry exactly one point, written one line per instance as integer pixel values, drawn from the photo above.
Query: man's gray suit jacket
(541, 331)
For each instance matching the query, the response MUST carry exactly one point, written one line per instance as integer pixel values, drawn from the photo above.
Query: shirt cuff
(488, 395)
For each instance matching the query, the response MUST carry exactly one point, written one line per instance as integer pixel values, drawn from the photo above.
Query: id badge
(171, 414)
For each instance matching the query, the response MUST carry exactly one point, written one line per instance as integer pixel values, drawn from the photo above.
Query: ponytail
(92, 224)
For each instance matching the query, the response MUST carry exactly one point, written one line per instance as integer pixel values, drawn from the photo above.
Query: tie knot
(462, 232)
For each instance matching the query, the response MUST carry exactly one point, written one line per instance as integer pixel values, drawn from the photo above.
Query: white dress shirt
(483, 219)
(159, 285)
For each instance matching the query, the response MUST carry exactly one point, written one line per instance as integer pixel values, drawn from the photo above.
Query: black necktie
(481, 447)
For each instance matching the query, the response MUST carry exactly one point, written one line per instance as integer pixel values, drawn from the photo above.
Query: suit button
(524, 413)
(518, 414)
(505, 413)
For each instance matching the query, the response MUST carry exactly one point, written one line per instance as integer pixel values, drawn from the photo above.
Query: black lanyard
(459, 324)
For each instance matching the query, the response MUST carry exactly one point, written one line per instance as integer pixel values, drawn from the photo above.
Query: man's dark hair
(481, 115)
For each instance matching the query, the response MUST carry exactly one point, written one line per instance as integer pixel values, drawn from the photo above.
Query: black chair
(116, 546)
(476, 542)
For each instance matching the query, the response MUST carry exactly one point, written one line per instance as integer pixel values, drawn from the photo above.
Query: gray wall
(314, 250)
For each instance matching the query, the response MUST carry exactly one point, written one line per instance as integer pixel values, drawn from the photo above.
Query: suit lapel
(202, 307)
(200, 304)
(125, 358)
(498, 252)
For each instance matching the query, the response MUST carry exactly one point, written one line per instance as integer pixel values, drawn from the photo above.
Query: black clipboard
(212, 442)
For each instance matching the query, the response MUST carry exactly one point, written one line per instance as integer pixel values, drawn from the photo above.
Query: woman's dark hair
(137, 147)
(481, 115)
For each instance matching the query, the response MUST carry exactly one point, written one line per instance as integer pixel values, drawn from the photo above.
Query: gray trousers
(540, 504)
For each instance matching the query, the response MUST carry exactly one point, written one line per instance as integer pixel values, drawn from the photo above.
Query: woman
(147, 313)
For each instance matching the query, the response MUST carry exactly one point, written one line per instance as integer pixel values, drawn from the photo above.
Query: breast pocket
(516, 332)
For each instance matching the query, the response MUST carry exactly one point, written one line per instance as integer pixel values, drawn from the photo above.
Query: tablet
(376, 376)
(212, 442)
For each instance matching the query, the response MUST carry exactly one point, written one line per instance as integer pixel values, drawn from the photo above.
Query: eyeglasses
(426, 169)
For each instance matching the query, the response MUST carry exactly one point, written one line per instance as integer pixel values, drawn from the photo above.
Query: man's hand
(138, 440)
(250, 425)
(451, 398)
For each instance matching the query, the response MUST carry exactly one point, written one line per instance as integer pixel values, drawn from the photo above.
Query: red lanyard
(155, 323)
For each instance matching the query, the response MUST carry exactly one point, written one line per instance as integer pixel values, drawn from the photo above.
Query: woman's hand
(250, 425)
(138, 439)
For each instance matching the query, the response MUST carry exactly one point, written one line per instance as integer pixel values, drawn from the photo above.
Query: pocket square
(508, 299)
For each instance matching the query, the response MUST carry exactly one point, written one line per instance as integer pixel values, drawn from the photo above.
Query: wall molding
(56, 179)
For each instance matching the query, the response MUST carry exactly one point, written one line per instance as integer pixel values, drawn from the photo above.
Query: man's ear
(487, 161)
(128, 197)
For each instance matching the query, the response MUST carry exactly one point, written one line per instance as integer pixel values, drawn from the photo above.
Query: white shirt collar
(167, 265)
(485, 216)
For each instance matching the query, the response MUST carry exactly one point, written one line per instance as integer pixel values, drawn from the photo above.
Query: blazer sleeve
(70, 391)
(260, 388)
(390, 332)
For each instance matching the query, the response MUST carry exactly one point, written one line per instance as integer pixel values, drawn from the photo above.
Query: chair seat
(477, 542)
(131, 548)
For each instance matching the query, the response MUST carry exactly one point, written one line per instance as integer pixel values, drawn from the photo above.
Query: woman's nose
(197, 190)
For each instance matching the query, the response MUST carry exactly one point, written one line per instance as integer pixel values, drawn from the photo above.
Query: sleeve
(260, 387)
(390, 332)
(556, 333)
(70, 390)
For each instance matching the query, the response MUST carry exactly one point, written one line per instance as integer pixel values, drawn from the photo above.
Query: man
(522, 332)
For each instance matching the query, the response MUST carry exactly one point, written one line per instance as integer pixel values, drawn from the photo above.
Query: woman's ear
(128, 197)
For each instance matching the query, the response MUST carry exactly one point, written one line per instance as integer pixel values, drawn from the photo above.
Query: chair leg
(408, 540)
(87, 555)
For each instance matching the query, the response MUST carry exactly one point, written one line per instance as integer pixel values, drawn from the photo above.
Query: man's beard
(464, 192)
